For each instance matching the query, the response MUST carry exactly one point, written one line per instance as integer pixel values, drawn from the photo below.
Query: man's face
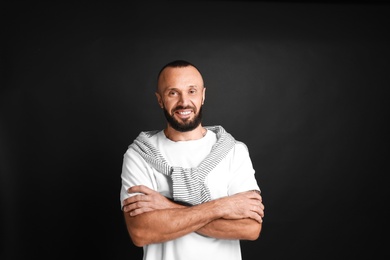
(181, 95)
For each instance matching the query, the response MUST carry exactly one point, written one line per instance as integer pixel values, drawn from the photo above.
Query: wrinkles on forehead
(182, 77)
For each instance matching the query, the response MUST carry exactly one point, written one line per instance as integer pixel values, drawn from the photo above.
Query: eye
(192, 91)
(172, 93)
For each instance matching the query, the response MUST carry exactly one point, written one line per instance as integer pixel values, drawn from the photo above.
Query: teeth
(185, 113)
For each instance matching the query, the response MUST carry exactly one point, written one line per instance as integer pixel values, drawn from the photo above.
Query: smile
(184, 113)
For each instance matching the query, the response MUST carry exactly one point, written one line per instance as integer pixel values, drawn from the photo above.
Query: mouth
(183, 113)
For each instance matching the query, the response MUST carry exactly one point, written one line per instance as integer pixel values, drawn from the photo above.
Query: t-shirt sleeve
(243, 172)
(135, 171)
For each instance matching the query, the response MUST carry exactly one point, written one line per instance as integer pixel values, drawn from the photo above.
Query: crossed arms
(152, 218)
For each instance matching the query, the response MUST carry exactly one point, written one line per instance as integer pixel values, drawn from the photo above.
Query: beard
(186, 125)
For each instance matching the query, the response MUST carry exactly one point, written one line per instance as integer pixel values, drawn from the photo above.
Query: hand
(244, 205)
(147, 201)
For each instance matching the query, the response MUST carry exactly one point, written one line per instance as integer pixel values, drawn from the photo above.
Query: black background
(303, 84)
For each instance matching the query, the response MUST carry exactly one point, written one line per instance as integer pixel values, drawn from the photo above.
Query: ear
(159, 100)
(204, 95)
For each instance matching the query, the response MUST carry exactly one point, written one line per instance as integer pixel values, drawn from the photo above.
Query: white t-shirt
(233, 174)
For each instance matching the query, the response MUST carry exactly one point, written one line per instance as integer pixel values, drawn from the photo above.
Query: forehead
(182, 77)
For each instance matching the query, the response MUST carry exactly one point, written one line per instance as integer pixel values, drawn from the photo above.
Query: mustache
(181, 107)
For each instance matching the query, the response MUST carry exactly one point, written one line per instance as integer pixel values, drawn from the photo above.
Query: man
(189, 191)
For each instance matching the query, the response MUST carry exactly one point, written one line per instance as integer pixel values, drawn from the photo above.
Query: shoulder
(148, 136)
(240, 150)
(241, 146)
(218, 131)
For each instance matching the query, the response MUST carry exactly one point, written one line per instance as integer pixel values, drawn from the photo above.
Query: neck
(175, 135)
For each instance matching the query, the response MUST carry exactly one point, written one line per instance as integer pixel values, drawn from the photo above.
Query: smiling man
(189, 191)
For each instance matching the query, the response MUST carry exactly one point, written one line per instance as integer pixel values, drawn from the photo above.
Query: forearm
(152, 218)
(167, 224)
(243, 229)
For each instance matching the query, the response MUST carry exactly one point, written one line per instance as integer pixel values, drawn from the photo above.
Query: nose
(184, 100)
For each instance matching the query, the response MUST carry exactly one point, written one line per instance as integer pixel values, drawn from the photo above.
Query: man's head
(181, 94)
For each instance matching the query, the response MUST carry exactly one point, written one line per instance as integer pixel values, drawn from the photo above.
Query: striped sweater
(188, 183)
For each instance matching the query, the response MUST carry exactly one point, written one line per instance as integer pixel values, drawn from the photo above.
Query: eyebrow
(173, 88)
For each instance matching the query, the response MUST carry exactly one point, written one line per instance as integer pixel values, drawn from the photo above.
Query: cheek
(198, 102)
(168, 105)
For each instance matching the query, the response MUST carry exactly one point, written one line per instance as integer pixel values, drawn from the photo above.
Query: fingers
(133, 206)
(139, 211)
(257, 212)
(140, 189)
(136, 208)
(258, 202)
(256, 217)
(142, 196)
(137, 204)
(245, 205)
(135, 199)
(259, 208)
(143, 199)
(254, 195)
